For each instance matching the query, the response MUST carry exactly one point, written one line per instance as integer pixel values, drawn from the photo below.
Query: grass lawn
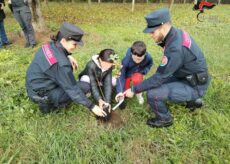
(75, 136)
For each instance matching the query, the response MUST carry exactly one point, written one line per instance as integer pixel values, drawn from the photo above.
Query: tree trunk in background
(99, 1)
(37, 18)
(89, 2)
(133, 5)
(171, 4)
(184, 1)
(219, 1)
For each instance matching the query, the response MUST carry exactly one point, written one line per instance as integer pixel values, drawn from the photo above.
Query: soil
(19, 39)
(114, 122)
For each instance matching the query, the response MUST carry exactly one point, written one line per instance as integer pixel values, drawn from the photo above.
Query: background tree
(171, 4)
(37, 21)
(133, 5)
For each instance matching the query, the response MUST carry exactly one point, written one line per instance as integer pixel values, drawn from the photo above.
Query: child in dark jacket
(136, 63)
(98, 74)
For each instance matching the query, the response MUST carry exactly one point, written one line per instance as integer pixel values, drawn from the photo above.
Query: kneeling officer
(49, 79)
(182, 75)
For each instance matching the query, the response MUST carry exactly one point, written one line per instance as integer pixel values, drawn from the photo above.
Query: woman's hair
(138, 48)
(107, 55)
(58, 37)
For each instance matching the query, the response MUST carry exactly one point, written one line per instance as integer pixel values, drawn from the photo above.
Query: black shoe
(7, 44)
(122, 106)
(33, 45)
(158, 123)
(46, 108)
(193, 105)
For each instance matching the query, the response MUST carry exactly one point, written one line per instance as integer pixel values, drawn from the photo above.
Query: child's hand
(129, 93)
(119, 97)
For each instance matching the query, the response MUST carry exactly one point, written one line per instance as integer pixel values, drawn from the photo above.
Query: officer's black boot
(33, 45)
(159, 123)
(46, 108)
(193, 105)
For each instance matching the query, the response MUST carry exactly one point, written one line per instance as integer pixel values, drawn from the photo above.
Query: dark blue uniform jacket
(182, 57)
(46, 73)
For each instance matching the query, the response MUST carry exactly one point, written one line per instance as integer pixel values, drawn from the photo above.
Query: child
(136, 63)
(98, 74)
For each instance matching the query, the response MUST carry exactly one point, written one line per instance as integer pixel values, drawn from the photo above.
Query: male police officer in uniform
(49, 79)
(23, 15)
(182, 75)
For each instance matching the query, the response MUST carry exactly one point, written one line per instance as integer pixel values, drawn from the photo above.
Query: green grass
(75, 136)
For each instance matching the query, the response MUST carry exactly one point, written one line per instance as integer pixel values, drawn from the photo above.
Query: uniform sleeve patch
(164, 61)
(49, 54)
(186, 40)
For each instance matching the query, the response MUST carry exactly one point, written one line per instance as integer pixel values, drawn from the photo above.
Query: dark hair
(105, 55)
(58, 37)
(138, 48)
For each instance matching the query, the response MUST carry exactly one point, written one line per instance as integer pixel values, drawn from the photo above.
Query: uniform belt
(199, 78)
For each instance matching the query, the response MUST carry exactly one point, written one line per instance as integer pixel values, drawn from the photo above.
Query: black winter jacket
(98, 78)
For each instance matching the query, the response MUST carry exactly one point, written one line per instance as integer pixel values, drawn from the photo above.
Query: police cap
(156, 18)
(70, 31)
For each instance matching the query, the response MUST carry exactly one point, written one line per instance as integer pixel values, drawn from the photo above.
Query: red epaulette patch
(49, 54)
(186, 40)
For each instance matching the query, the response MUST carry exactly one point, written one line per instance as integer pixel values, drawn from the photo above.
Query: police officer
(49, 79)
(182, 75)
(23, 15)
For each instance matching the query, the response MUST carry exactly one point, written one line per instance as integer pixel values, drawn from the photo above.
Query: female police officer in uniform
(182, 75)
(49, 79)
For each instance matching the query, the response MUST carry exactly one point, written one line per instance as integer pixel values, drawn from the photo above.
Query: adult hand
(119, 96)
(102, 103)
(73, 62)
(109, 109)
(98, 111)
(129, 93)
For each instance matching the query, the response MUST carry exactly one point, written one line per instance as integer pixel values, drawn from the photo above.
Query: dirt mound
(114, 122)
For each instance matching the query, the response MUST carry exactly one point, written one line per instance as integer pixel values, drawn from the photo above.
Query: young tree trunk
(133, 5)
(171, 4)
(37, 18)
